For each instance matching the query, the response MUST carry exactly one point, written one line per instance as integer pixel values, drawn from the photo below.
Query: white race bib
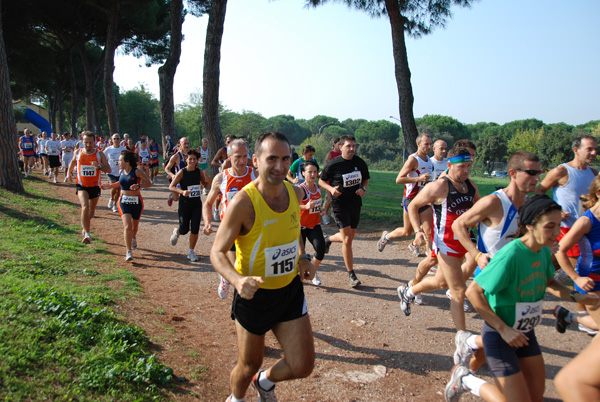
(194, 191)
(88, 171)
(27, 145)
(144, 160)
(281, 260)
(317, 207)
(352, 179)
(230, 195)
(527, 315)
(130, 199)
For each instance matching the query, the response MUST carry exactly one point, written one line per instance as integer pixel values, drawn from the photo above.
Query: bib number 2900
(281, 260)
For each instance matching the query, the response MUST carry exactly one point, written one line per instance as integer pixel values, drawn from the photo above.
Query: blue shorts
(503, 359)
(135, 210)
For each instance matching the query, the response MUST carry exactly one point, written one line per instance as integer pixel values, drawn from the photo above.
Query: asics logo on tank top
(270, 222)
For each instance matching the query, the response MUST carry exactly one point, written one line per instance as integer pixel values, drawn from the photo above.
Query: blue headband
(460, 159)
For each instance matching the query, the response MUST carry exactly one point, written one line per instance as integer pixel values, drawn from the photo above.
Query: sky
(497, 61)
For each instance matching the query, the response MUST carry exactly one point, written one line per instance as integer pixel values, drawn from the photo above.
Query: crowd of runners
(516, 242)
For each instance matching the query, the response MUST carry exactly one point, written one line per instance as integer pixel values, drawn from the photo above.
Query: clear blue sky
(496, 61)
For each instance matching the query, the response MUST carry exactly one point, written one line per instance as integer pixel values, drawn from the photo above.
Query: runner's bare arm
(174, 160)
(176, 180)
(579, 229)
(476, 296)
(238, 220)
(219, 156)
(482, 211)
(144, 179)
(72, 166)
(554, 178)
(409, 166)
(428, 195)
(561, 291)
(332, 190)
(214, 192)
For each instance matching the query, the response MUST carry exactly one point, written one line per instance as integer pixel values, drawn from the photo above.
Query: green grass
(383, 202)
(59, 337)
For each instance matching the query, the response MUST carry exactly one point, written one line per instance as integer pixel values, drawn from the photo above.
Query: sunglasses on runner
(530, 172)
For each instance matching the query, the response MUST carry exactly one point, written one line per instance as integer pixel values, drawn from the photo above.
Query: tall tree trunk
(109, 67)
(74, 97)
(90, 98)
(60, 110)
(52, 112)
(10, 177)
(166, 73)
(212, 60)
(402, 71)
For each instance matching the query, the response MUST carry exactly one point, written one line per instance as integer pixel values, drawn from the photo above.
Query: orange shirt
(230, 185)
(87, 174)
(309, 218)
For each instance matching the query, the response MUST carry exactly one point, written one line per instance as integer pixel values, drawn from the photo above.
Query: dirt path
(367, 350)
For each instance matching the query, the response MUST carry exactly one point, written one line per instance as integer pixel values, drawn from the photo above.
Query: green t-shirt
(515, 274)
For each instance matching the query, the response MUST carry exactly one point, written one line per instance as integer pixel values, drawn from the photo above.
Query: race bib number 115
(281, 260)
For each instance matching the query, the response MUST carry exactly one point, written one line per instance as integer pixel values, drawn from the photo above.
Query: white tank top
(439, 167)
(492, 239)
(567, 196)
(425, 166)
(203, 155)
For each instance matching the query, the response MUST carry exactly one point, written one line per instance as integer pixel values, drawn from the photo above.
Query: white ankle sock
(234, 399)
(264, 382)
(473, 383)
(410, 293)
(471, 342)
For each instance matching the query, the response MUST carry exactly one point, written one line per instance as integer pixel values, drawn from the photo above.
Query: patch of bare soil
(366, 349)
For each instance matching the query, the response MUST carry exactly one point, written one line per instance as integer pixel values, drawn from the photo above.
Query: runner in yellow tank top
(264, 223)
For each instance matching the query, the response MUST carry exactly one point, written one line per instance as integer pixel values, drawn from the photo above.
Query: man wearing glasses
(497, 216)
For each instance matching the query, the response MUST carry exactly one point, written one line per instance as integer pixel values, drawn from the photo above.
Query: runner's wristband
(305, 257)
(478, 255)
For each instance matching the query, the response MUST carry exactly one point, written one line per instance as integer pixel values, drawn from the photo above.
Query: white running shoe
(216, 215)
(55, 181)
(129, 255)
(414, 249)
(110, 203)
(133, 243)
(87, 238)
(587, 330)
(192, 256)
(224, 286)
(326, 220)
(463, 352)
(65, 180)
(174, 237)
(263, 396)
(419, 297)
(455, 388)
(316, 280)
(50, 175)
(383, 240)
(115, 208)
(405, 300)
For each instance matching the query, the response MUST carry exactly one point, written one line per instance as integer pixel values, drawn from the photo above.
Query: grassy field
(59, 336)
(383, 202)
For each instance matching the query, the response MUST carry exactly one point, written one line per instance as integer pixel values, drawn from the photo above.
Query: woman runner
(310, 213)
(131, 205)
(508, 294)
(190, 180)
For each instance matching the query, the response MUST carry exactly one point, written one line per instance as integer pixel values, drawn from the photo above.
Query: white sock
(473, 383)
(190, 251)
(410, 293)
(264, 382)
(386, 237)
(471, 342)
(234, 399)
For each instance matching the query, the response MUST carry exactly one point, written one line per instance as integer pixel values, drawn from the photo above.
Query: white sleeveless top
(425, 166)
(491, 240)
(567, 196)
